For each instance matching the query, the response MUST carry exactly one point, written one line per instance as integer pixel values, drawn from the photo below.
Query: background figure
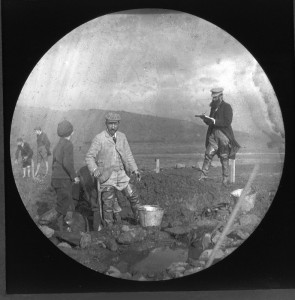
(220, 138)
(63, 172)
(109, 158)
(26, 154)
(43, 149)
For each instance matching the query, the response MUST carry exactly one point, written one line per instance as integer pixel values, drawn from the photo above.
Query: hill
(138, 128)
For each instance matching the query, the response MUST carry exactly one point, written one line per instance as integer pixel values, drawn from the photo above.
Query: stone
(228, 251)
(125, 228)
(134, 235)
(178, 230)
(85, 240)
(111, 245)
(142, 278)
(179, 166)
(246, 220)
(122, 266)
(49, 232)
(207, 253)
(197, 263)
(126, 276)
(64, 245)
(248, 202)
(192, 271)
(114, 272)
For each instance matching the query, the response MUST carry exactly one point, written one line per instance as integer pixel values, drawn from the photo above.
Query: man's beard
(215, 103)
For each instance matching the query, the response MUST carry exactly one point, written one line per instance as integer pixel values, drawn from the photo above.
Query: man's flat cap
(217, 91)
(113, 117)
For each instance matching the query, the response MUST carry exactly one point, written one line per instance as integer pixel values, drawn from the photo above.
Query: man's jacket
(24, 151)
(42, 140)
(63, 160)
(103, 153)
(223, 118)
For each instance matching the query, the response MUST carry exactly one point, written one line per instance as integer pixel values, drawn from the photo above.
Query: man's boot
(225, 171)
(131, 194)
(205, 169)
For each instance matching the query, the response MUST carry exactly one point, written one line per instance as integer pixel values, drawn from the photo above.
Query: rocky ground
(195, 215)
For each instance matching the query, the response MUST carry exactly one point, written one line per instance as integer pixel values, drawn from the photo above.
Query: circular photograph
(147, 144)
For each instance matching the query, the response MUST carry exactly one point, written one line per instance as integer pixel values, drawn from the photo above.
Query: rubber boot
(225, 171)
(205, 169)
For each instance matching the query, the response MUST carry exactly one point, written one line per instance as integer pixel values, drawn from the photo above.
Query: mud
(195, 214)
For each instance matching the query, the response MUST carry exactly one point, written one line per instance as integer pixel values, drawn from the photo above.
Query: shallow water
(160, 259)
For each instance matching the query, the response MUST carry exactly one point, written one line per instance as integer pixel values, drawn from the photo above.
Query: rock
(70, 237)
(228, 251)
(47, 231)
(134, 235)
(178, 230)
(175, 223)
(248, 202)
(122, 266)
(85, 240)
(192, 271)
(207, 253)
(125, 228)
(114, 272)
(64, 245)
(164, 236)
(246, 220)
(111, 244)
(197, 263)
(179, 166)
(176, 269)
(142, 278)
(164, 224)
(206, 240)
(239, 234)
(126, 276)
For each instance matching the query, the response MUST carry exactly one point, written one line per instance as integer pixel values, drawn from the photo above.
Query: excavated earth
(194, 215)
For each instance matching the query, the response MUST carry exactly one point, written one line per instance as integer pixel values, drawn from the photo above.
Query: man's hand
(76, 180)
(138, 175)
(96, 173)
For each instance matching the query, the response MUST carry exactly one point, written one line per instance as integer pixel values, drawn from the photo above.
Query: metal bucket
(150, 215)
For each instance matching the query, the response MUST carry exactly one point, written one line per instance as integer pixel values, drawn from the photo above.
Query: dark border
(265, 28)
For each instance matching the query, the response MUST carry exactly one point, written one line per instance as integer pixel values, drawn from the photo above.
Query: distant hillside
(138, 128)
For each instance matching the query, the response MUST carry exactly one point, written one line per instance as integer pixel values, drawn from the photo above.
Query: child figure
(63, 171)
(26, 154)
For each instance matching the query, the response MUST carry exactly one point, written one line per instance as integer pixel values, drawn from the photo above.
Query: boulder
(134, 235)
(47, 231)
(249, 220)
(192, 271)
(176, 269)
(126, 276)
(248, 202)
(179, 166)
(111, 244)
(207, 253)
(85, 240)
(114, 272)
(64, 245)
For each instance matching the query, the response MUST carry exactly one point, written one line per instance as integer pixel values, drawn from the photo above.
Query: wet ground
(195, 214)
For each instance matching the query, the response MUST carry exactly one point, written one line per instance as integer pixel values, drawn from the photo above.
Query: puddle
(159, 259)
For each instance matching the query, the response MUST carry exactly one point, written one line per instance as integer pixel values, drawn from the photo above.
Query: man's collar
(111, 136)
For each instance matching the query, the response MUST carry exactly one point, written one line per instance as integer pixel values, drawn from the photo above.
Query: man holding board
(220, 138)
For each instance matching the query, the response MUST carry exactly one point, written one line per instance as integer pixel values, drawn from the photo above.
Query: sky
(161, 64)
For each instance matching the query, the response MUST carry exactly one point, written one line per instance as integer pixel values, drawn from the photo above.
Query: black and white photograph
(147, 145)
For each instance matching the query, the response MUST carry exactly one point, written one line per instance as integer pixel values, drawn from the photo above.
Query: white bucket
(150, 215)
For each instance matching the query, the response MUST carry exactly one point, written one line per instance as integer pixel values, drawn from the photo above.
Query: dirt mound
(178, 184)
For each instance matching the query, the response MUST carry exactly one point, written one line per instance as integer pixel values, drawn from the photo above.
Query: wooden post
(157, 165)
(233, 171)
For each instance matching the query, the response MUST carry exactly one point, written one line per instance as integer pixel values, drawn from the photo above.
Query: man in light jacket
(110, 160)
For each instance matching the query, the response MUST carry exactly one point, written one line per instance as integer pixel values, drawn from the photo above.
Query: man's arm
(129, 157)
(94, 149)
